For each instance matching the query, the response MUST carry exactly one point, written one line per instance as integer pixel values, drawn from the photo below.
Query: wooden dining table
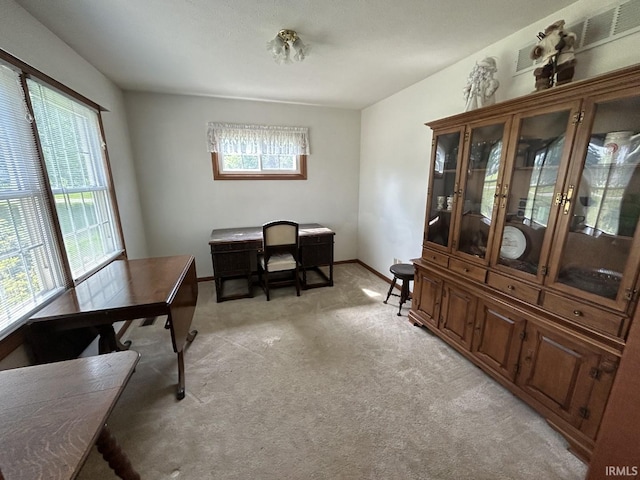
(124, 290)
(52, 415)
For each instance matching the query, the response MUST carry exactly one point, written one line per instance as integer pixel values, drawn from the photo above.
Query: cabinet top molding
(610, 81)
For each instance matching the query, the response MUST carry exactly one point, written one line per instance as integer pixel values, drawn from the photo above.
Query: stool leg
(404, 294)
(393, 284)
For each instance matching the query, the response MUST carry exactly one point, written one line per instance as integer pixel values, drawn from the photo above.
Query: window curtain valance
(231, 138)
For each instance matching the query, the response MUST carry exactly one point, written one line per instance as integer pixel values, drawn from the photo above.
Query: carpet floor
(328, 385)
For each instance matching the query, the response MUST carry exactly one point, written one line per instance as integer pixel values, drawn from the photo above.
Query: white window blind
(231, 138)
(30, 265)
(73, 151)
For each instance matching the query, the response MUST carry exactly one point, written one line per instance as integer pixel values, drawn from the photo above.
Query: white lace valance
(231, 138)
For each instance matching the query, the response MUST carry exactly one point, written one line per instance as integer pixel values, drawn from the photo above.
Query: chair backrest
(280, 233)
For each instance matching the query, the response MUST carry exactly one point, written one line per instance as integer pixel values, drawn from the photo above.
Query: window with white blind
(57, 218)
(29, 262)
(258, 152)
(73, 152)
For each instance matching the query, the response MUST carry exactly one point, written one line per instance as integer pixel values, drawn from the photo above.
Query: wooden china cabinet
(530, 257)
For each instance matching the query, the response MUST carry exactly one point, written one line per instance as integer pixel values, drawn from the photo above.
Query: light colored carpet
(328, 385)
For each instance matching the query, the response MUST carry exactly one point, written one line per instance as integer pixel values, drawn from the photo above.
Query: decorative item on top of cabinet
(482, 84)
(555, 49)
(534, 273)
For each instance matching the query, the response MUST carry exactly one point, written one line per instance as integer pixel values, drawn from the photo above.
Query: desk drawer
(315, 239)
(434, 257)
(513, 287)
(468, 270)
(586, 315)
(235, 246)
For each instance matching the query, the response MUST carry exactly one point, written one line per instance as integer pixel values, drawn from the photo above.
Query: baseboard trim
(339, 262)
(375, 272)
(353, 260)
(378, 274)
(211, 278)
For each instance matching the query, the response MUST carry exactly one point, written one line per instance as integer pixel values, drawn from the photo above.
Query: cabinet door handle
(567, 203)
(577, 313)
(608, 367)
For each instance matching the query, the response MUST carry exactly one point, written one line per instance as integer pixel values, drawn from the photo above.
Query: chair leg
(297, 274)
(266, 284)
(393, 284)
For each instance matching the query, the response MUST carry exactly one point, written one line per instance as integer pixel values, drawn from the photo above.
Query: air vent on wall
(603, 27)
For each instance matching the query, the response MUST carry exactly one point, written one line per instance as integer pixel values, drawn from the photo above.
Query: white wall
(396, 146)
(27, 39)
(181, 203)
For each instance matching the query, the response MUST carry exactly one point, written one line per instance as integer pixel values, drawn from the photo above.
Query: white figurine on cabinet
(481, 85)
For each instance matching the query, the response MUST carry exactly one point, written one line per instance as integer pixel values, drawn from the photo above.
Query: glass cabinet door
(479, 181)
(537, 159)
(443, 184)
(600, 206)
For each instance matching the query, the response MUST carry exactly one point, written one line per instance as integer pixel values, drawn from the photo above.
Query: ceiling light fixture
(281, 46)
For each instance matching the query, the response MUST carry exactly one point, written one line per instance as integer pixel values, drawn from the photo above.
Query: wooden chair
(279, 256)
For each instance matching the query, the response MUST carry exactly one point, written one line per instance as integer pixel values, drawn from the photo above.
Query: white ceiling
(361, 50)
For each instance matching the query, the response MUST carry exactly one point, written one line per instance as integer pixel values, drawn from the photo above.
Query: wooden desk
(51, 416)
(234, 253)
(126, 290)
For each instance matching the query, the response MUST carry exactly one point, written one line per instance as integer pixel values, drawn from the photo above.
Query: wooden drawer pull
(510, 287)
(465, 270)
(577, 313)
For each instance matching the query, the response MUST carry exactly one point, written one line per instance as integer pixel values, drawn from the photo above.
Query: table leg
(108, 341)
(114, 456)
(181, 382)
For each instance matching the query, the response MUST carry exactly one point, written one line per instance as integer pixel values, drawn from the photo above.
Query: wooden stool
(404, 272)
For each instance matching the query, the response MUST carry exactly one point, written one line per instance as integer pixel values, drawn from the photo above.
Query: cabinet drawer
(468, 270)
(435, 257)
(586, 315)
(513, 287)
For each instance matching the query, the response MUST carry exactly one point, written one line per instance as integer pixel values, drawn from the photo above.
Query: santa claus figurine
(481, 85)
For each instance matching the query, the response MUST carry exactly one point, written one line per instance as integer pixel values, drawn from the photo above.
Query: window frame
(220, 174)
(25, 72)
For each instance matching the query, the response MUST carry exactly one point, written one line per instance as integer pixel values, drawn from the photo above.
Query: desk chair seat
(280, 255)
(404, 272)
(279, 262)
